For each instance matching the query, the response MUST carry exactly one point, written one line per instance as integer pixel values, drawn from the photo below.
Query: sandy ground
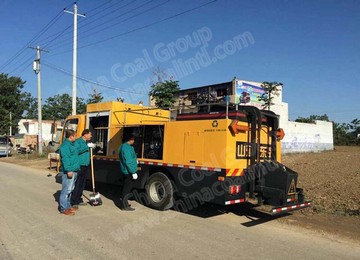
(331, 180)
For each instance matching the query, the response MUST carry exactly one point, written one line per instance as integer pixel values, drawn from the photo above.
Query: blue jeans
(67, 188)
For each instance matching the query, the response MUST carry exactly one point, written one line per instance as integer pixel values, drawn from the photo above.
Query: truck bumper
(275, 211)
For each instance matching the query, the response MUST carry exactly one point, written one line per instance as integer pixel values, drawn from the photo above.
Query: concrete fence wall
(305, 137)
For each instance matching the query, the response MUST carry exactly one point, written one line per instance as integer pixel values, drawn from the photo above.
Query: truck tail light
(280, 134)
(234, 189)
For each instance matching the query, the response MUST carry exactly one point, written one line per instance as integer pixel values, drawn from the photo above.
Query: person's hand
(134, 176)
(91, 145)
(69, 175)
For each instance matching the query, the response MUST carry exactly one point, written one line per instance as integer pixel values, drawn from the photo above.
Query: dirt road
(32, 228)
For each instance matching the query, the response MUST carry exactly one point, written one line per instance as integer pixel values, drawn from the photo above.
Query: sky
(312, 47)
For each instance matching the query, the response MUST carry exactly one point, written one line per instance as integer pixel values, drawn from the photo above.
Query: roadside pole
(36, 68)
(75, 13)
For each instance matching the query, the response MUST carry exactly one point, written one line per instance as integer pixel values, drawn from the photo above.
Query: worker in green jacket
(84, 159)
(128, 168)
(69, 167)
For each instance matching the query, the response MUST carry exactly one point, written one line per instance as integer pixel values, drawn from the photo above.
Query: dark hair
(69, 133)
(129, 136)
(85, 132)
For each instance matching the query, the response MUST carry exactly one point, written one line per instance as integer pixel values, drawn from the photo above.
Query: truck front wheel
(160, 191)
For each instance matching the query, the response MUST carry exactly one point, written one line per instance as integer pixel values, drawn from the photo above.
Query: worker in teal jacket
(69, 167)
(128, 168)
(84, 159)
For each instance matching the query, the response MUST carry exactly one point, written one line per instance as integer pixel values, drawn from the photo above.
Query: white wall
(304, 137)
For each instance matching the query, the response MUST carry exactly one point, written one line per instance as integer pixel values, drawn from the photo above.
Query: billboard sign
(248, 94)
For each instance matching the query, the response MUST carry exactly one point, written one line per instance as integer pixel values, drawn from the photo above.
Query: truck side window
(153, 142)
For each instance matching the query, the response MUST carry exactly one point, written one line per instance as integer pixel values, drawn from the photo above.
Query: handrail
(136, 111)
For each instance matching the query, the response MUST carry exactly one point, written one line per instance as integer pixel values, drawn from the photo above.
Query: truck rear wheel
(160, 191)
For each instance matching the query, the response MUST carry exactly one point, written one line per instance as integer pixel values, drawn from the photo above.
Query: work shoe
(128, 209)
(73, 209)
(67, 212)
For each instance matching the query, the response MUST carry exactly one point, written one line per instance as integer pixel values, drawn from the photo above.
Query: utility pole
(10, 124)
(7, 139)
(36, 68)
(75, 13)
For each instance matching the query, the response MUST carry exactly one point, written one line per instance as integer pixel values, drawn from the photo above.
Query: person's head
(70, 135)
(86, 135)
(130, 138)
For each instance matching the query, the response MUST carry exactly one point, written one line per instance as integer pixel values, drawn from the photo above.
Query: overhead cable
(91, 81)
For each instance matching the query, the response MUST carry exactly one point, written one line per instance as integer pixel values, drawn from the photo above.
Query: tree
(95, 97)
(312, 118)
(60, 106)
(340, 134)
(164, 91)
(354, 131)
(31, 106)
(271, 90)
(11, 100)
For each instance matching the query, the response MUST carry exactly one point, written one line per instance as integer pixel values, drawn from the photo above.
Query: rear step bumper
(283, 209)
(279, 210)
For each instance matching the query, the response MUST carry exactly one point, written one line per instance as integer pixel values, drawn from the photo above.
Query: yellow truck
(226, 156)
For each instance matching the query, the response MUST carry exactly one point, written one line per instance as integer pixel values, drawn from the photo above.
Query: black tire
(160, 191)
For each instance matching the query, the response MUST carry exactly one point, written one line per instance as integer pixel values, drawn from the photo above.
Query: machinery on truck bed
(227, 156)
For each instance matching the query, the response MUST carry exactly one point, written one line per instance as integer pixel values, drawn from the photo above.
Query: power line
(142, 27)
(113, 11)
(145, 11)
(57, 35)
(128, 32)
(105, 15)
(43, 30)
(60, 33)
(90, 29)
(91, 81)
(101, 5)
(22, 64)
(151, 24)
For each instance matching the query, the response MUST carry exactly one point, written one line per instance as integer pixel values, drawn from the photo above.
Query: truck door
(149, 141)
(99, 125)
(75, 123)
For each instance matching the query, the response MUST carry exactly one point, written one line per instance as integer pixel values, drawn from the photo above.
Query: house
(29, 128)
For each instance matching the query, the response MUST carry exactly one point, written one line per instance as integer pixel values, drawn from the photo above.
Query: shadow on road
(247, 210)
(202, 210)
